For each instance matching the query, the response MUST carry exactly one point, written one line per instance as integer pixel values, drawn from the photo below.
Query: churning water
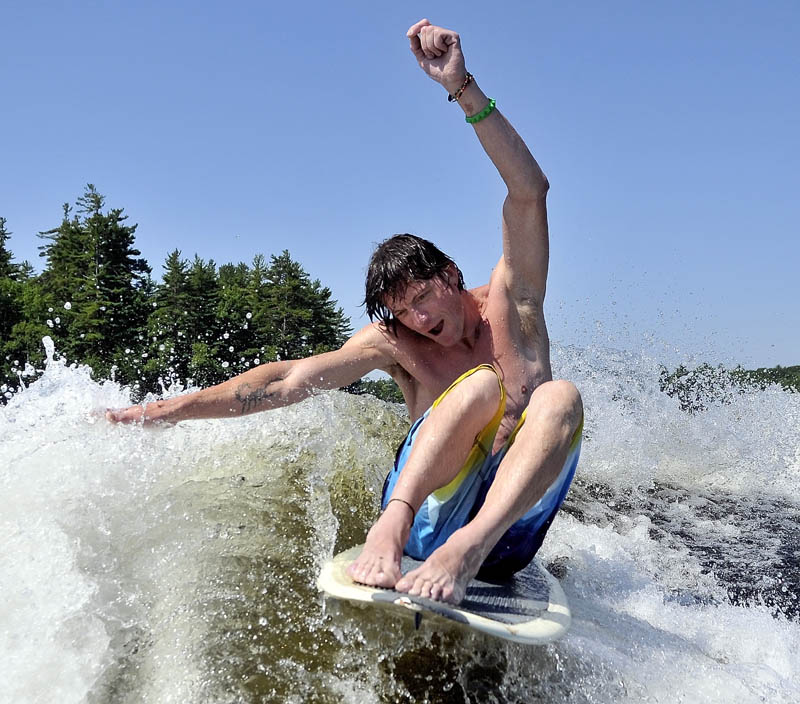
(178, 564)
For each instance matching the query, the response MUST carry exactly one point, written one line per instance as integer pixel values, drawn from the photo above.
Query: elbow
(544, 187)
(533, 190)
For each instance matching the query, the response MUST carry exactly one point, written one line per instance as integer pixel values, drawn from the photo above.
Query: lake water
(178, 564)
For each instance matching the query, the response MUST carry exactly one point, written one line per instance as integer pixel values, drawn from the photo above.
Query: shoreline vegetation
(203, 322)
(705, 385)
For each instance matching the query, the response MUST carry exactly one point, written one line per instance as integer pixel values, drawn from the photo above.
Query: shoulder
(400, 351)
(372, 336)
(394, 353)
(481, 293)
(374, 341)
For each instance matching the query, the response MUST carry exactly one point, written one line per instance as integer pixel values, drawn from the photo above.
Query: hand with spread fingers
(438, 52)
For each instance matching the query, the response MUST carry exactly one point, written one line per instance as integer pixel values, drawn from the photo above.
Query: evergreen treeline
(385, 389)
(201, 324)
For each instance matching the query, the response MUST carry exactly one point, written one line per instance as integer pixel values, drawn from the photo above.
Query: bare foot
(444, 576)
(378, 565)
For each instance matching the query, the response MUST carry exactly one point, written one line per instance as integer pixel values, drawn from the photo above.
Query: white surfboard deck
(530, 608)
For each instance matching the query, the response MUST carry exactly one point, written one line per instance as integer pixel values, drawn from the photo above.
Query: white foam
(639, 434)
(649, 614)
(115, 543)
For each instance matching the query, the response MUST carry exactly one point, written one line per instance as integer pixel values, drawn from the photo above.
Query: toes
(359, 568)
(425, 590)
(421, 582)
(406, 582)
(356, 570)
(374, 571)
(421, 587)
(411, 582)
(361, 565)
(416, 588)
(386, 577)
(430, 582)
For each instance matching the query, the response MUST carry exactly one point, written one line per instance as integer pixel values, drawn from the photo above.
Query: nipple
(524, 389)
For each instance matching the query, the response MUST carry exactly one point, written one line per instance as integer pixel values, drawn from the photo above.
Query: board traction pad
(529, 608)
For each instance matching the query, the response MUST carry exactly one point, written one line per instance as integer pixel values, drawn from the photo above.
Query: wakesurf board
(529, 608)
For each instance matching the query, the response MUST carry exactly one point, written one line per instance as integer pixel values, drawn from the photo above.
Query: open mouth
(436, 330)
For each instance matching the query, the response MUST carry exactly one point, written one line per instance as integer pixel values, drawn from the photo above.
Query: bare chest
(517, 347)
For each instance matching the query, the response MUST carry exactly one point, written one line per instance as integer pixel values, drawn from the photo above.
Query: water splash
(159, 565)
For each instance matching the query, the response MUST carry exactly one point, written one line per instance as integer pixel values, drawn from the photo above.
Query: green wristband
(482, 114)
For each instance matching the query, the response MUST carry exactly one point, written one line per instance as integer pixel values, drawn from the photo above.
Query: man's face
(431, 308)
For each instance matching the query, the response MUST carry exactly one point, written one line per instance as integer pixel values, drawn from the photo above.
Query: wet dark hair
(395, 263)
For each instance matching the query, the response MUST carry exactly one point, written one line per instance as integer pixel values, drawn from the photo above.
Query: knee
(558, 401)
(483, 387)
(479, 390)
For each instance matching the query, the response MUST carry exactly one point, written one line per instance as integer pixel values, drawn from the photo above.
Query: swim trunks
(454, 505)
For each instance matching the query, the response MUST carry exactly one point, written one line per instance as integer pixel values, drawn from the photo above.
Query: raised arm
(525, 235)
(269, 385)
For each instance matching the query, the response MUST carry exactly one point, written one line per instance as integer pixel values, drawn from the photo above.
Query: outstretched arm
(269, 385)
(525, 237)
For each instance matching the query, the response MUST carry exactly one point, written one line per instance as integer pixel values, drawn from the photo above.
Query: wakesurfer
(494, 440)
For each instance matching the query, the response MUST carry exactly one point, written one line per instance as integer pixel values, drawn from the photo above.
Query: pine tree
(24, 343)
(260, 347)
(301, 318)
(330, 327)
(10, 305)
(97, 283)
(203, 327)
(8, 269)
(232, 312)
(288, 314)
(168, 347)
(10, 313)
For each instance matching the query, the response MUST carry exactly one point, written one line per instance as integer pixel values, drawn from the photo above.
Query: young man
(494, 440)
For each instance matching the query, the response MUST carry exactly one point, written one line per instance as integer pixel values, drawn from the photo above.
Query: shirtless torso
(496, 331)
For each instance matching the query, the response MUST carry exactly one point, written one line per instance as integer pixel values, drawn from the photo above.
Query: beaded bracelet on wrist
(455, 96)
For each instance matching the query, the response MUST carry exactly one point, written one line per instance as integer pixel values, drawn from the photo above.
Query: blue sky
(669, 133)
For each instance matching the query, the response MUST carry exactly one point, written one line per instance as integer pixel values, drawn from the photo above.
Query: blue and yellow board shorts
(456, 504)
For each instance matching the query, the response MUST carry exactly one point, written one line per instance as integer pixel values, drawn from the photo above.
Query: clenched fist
(438, 52)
